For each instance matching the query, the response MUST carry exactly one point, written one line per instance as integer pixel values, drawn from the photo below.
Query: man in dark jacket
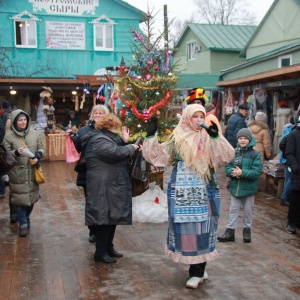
(235, 123)
(292, 153)
(6, 111)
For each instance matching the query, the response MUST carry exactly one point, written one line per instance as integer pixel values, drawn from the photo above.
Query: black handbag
(80, 166)
(140, 182)
(7, 160)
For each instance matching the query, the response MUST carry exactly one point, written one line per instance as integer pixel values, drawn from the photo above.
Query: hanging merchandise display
(229, 105)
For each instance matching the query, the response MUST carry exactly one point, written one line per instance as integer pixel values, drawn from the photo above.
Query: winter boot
(12, 212)
(247, 235)
(228, 236)
(290, 228)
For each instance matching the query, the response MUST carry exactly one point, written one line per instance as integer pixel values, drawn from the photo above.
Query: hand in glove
(152, 126)
(211, 130)
(38, 155)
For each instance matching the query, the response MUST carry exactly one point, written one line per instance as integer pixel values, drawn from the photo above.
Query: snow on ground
(144, 208)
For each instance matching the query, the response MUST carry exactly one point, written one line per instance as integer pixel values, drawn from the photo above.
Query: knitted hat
(197, 94)
(261, 116)
(5, 104)
(20, 115)
(245, 133)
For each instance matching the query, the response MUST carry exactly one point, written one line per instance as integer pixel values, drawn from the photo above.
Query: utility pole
(166, 30)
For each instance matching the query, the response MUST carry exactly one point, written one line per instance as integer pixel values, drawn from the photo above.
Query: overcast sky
(183, 9)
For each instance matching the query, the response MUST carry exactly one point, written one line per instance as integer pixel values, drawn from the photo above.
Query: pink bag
(72, 156)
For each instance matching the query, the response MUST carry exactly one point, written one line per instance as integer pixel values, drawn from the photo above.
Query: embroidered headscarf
(192, 144)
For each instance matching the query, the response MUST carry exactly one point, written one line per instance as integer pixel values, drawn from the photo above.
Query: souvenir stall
(279, 104)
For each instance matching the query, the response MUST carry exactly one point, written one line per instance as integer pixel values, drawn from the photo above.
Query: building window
(191, 51)
(284, 61)
(25, 34)
(103, 37)
(103, 34)
(25, 30)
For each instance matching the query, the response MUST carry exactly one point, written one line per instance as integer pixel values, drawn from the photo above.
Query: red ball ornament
(116, 96)
(123, 112)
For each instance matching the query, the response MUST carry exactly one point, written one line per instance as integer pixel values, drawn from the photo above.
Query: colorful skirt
(193, 207)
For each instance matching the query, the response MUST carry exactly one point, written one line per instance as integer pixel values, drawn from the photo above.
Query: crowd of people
(196, 149)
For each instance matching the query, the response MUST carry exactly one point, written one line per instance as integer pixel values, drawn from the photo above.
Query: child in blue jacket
(244, 171)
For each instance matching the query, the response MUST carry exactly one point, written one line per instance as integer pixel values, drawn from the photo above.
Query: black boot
(284, 202)
(228, 236)
(247, 235)
(290, 228)
(12, 212)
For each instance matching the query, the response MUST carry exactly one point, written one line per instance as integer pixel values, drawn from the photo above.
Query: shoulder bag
(38, 172)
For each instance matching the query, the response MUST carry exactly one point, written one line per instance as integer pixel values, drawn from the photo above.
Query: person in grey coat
(108, 184)
(24, 191)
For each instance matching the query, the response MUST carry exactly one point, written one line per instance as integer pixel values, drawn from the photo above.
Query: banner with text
(65, 35)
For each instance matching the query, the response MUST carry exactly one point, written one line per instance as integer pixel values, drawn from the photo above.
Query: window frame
(191, 56)
(30, 21)
(102, 24)
(282, 57)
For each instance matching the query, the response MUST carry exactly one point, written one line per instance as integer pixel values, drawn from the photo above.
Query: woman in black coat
(108, 184)
(97, 112)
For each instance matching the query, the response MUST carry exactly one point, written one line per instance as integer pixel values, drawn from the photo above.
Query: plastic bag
(72, 156)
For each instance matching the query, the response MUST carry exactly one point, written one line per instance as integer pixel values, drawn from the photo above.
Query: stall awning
(95, 80)
(282, 74)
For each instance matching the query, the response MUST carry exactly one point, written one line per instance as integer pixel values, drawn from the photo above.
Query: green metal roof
(190, 81)
(264, 56)
(221, 37)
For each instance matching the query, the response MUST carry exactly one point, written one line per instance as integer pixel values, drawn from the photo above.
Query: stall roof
(273, 76)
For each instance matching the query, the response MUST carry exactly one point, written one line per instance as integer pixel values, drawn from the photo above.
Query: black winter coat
(292, 152)
(235, 123)
(81, 176)
(108, 183)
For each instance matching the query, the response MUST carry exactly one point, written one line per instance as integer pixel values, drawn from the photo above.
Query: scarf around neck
(192, 145)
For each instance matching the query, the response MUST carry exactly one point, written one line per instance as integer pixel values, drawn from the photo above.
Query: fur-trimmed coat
(260, 131)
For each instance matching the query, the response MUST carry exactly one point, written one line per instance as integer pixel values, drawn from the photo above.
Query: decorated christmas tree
(145, 83)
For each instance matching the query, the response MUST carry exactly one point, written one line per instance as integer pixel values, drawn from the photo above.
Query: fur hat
(245, 133)
(197, 94)
(261, 117)
(5, 104)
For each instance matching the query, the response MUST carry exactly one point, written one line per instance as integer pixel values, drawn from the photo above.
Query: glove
(38, 155)
(211, 130)
(152, 126)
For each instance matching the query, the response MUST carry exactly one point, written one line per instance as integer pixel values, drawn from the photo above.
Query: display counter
(56, 146)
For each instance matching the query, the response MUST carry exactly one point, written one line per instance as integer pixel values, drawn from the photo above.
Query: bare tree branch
(224, 12)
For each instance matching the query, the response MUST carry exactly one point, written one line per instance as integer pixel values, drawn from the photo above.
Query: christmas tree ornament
(148, 84)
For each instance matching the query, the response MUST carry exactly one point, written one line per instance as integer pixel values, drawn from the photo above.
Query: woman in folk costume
(195, 152)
